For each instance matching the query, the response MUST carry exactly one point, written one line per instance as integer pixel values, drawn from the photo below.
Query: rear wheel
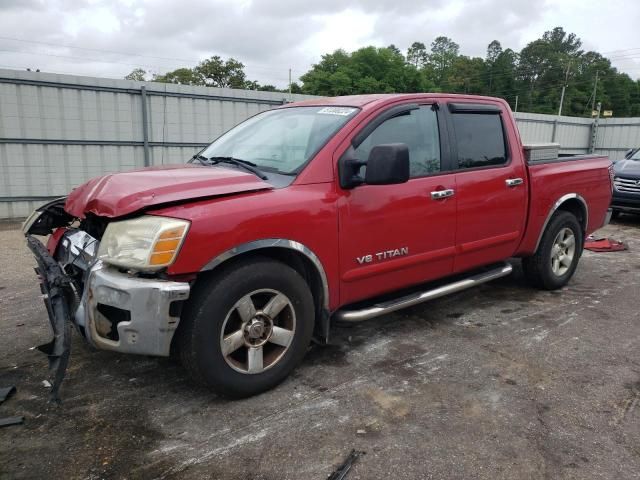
(556, 259)
(247, 328)
(615, 214)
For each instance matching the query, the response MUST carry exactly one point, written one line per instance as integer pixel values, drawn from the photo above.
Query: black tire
(538, 268)
(215, 299)
(615, 214)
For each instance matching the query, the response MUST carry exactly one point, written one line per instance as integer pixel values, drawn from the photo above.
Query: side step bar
(416, 298)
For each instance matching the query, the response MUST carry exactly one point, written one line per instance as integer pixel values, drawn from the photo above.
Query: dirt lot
(498, 382)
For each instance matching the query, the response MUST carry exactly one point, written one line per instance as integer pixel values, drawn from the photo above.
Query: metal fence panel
(614, 136)
(57, 131)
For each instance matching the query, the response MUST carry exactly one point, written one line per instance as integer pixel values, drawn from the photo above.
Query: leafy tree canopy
(534, 76)
(212, 72)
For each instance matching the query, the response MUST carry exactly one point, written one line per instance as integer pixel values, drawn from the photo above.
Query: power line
(255, 66)
(620, 50)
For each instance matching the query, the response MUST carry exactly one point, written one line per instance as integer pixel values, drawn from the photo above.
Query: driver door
(394, 236)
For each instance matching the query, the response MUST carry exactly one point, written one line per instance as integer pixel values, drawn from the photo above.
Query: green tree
(367, 70)
(503, 83)
(180, 76)
(137, 74)
(444, 52)
(494, 49)
(466, 75)
(394, 49)
(545, 66)
(217, 72)
(417, 54)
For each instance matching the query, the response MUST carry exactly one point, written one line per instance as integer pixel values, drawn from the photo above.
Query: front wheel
(247, 328)
(554, 263)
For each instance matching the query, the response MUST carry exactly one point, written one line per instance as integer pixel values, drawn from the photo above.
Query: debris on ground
(5, 422)
(341, 472)
(6, 392)
(604, 245)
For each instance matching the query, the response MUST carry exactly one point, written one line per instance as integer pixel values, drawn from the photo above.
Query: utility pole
(516, 109)
(289, 84)
(566, 80)
(594, 129)
(595, 88)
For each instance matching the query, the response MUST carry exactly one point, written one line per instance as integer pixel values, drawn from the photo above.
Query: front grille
(627, 185)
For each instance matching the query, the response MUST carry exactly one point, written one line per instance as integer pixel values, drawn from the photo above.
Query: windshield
(635, 156)
(281, 140)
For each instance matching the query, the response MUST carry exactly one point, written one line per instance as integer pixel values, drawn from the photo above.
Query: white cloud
(272, 36)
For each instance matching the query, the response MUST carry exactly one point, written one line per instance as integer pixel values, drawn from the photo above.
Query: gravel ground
(498, 382)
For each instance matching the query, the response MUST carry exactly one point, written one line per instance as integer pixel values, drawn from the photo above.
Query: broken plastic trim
(55, 286)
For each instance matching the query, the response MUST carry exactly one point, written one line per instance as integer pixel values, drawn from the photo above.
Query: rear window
(479, 139)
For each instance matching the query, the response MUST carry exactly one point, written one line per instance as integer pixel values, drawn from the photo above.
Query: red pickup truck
(335, 209)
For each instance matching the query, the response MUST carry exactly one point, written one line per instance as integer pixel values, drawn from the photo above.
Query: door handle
(440, 194)
(513, 182)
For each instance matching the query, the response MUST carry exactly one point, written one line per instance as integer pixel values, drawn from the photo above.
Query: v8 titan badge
(387, 254)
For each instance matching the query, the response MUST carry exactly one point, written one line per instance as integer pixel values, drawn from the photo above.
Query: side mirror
(387, 164)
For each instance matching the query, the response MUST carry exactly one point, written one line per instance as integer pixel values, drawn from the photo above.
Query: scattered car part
(5, 422)
(341, 472)
(604, 245)
(6, 392)
(55, 287)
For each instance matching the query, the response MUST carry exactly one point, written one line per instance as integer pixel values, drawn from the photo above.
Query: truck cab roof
(375, 100)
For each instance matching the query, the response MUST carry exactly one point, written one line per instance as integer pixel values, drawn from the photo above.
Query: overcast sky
(111, 37)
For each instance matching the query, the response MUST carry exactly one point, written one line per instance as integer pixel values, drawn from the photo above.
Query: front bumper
(625, 201)
(116, 311)
(129, 314)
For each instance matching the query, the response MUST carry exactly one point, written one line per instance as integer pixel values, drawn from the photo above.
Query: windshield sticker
(342, 111)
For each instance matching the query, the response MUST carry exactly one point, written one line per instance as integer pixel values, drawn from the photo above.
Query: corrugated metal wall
(613, 136)
(57, 131)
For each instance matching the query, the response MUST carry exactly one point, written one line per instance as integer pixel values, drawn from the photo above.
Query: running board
(416, 298)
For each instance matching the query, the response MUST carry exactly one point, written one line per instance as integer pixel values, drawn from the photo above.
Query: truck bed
(550, 179)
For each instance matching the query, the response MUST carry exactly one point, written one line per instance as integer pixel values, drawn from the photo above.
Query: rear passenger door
(491, 187)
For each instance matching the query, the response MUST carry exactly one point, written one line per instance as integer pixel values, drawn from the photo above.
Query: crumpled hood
(119, 194)
(627, 168)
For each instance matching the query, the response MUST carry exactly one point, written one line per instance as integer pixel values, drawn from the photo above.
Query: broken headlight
(144, 243)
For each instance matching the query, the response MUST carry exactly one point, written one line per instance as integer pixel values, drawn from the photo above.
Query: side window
(479, 139)
(418, 129)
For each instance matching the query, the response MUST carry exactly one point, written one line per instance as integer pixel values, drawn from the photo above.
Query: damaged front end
(55, 287)
(60, 288)
(112, 308)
